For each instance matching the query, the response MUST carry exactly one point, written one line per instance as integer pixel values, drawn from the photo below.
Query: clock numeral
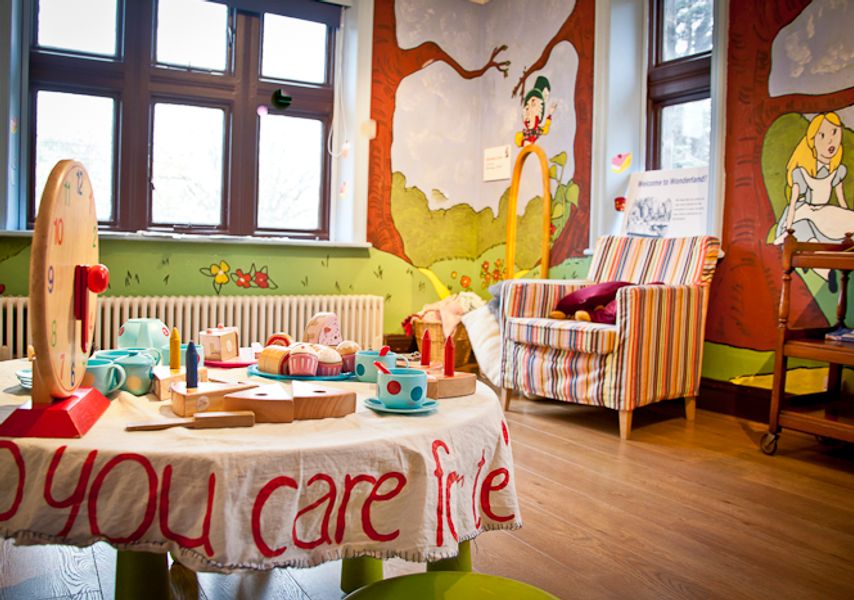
(67, 188)
(58, 231)
(73, 365)
(50, 279)
(62, 362)
(53, 333)
(79, 182)
(95, 235)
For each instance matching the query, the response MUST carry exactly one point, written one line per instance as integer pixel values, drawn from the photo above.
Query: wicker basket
(462, 345)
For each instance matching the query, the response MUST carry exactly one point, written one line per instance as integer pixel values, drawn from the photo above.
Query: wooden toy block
(220, 343)
(440, 385)
(209, 420)
(271, 403)
(208, 396)
(164, 377)
(323, 328)
(313, 401)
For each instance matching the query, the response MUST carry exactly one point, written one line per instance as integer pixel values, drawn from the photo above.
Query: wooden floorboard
(681, 510)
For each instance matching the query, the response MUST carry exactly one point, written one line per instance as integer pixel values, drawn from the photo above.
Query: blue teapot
(144, 333)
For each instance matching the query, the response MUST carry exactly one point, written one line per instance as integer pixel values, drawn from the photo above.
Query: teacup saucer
(375, 405)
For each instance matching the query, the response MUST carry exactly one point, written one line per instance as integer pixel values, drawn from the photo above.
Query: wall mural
(456, 78)
(790, 89)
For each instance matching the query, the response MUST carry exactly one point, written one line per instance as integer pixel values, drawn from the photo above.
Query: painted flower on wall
(246, 279)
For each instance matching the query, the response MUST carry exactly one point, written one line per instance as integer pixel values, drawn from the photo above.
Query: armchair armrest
(536, 297)
(665, 317)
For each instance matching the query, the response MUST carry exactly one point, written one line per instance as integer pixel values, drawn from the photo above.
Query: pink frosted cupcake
(347, 349)
(329, 362)
(302, 360)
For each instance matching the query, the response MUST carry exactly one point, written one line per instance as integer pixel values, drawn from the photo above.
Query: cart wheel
(768, 444)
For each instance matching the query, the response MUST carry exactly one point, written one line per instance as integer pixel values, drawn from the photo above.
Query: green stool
(449, 585)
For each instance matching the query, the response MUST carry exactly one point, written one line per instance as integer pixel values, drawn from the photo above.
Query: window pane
(289, 163)
(79, 25)
(203, 45)
(186, 165)
(293, 49)
(685, 133)
(81, 128)
(687, 28)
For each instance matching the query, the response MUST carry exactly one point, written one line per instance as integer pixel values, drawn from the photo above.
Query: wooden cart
(824, 421)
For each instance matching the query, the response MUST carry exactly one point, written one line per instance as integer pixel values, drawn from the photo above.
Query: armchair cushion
(578, 336)
(590, 298)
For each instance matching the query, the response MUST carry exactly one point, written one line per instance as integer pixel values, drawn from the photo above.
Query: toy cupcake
(302, 360)
(329, 362)
(347, 349)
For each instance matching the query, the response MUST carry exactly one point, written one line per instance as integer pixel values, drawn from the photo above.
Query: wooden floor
(679, 511)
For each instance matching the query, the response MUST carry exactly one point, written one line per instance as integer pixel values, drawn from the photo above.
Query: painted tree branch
(563, 34)
(432, 52)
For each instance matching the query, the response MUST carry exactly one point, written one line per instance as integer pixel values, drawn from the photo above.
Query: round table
(273, 495)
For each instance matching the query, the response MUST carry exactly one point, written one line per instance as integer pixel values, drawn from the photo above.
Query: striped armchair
(653, 352)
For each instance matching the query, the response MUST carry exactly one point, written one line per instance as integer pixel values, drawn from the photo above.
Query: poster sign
(670, 203)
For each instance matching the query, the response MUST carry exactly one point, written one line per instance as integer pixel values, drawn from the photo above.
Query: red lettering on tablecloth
(187, 542)
(150, 508)
(270, 487)
(504, 432)
(75, 500)
(374, 496)
(474, 512)
(13, 449)
(453, 477)
(440, 498)
(329, 498)
(349, 483)
(488, 488)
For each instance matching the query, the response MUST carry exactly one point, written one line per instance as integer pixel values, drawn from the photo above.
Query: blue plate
(376, 405)
(254, 370)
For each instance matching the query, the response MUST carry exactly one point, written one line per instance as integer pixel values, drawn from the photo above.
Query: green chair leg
(359, 572)
(460, 562)
(141, 576)
(447, 585)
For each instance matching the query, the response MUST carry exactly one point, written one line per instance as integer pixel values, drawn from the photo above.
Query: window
(679, 84)
(175, 123)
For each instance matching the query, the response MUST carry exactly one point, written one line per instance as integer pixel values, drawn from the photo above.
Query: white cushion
(482, 328)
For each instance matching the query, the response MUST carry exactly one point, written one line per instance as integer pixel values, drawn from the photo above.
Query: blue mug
(402, 388)
(199, 349)
(365, 369)
(139, 367)
(104, 375)
(118, 353)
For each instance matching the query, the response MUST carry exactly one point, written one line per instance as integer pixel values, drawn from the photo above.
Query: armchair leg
(690, 407)
(625, 424)
(505, 398)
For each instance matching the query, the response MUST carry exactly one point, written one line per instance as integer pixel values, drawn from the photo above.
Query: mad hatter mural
(452, 78)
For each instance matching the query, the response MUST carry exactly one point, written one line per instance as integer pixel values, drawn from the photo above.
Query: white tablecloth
(273, 495)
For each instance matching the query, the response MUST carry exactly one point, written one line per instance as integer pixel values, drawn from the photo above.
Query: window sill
(156, 236)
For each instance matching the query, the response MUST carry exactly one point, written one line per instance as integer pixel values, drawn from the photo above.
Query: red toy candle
(425, 348)
(450, 351)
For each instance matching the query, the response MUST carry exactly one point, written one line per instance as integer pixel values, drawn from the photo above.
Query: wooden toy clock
(64, 279)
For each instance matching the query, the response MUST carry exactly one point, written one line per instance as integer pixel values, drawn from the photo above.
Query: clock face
(66, 235)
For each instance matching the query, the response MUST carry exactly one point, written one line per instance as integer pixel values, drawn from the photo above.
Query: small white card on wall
(496, 163)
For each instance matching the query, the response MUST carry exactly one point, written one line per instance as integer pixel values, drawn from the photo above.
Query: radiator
(360, 317)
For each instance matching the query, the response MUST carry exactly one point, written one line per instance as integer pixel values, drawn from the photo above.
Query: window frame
(136, 82)
(669, 83)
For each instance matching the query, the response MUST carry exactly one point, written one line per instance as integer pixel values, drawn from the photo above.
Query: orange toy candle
(450, 350)
(425, 348)
(175, 350)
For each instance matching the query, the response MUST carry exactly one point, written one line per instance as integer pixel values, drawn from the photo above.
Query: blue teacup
(104, 375)
(365, 369)
(402, 388)
(139, 368)
(199, 349)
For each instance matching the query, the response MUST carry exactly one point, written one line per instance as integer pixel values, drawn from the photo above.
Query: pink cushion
(592, 296)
